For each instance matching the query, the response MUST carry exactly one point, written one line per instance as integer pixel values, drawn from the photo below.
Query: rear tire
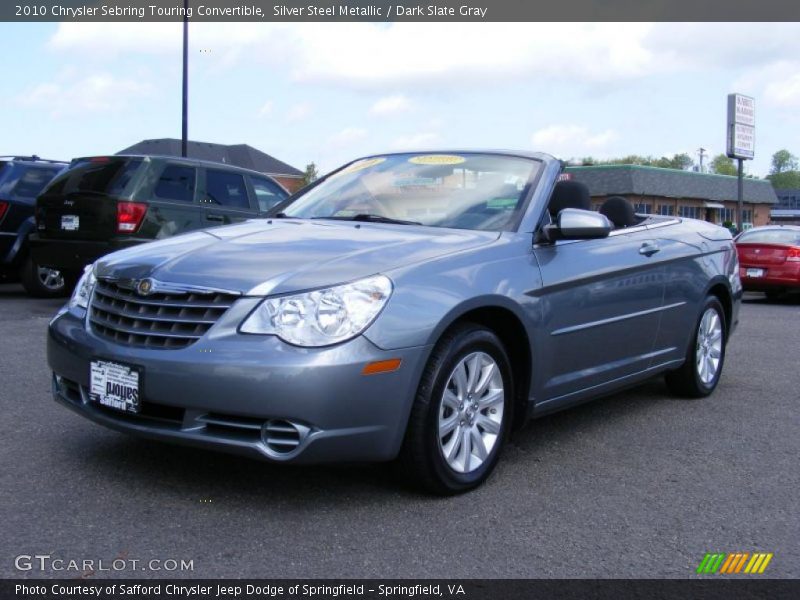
(461, 414)
(705, 357)
(43, 282)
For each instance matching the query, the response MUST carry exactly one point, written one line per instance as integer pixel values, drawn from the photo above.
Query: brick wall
(290, 183)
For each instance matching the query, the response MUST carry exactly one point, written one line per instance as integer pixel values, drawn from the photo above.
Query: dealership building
(653, 190)
(787, 210)
(239, 155)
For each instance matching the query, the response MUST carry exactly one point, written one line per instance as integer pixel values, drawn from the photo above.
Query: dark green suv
(106, 203)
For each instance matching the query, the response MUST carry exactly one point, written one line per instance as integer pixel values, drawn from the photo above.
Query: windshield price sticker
(437, 159)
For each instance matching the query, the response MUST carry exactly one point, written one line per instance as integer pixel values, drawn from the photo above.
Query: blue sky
(330, 92)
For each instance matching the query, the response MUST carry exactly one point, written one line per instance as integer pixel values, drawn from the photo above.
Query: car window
(771, 236)
(108, 175)
(176, 182)
(226, 189)
(32, 181)
(268, 193)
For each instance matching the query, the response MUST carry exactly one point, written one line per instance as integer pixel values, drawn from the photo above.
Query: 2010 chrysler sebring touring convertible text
(407, 306)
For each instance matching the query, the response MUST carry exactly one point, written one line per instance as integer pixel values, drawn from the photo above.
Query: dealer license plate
(114, 385)
(755, 272)
(70, 222)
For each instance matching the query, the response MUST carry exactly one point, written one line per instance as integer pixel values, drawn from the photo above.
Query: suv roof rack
(33, 157)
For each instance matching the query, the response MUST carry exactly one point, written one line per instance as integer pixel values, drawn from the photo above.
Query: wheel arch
(720, 288)
(505, 321)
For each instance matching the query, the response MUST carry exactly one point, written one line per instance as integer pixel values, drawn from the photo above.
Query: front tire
(461, 414)
(700, 373)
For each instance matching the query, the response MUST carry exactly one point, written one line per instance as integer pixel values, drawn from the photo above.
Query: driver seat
(569, 194)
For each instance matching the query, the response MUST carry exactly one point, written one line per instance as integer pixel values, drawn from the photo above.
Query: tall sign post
(741, 141)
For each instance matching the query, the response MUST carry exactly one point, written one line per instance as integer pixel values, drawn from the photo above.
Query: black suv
(22, 178)
(106, 203)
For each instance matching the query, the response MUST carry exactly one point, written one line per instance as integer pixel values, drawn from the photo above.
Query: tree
(311, 174)
(722, 165)
(787, 179)
(783, 161)
(784, 171)
(676, 161)
(682, 161)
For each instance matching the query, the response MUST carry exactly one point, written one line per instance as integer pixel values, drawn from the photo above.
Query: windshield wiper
(368, 217)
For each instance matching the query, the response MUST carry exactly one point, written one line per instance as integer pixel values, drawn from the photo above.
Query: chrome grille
(168, 320)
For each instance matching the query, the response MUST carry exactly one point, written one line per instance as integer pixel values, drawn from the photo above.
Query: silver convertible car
(414, 307)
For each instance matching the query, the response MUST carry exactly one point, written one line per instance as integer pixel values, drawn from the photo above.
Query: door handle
(215, 217)
(649, 248)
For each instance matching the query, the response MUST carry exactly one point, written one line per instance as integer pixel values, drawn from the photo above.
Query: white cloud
(389, 105)
(98, 93)
(266, 109)
(377, 56)
(348, 135)
(416, 141)
(784, 93)
(298, 112)
(572, 140)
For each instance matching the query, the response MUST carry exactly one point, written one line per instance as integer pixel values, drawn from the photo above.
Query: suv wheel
(462, 412)
(43, 282)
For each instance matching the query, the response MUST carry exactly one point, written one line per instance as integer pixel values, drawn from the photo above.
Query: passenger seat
(620, 212)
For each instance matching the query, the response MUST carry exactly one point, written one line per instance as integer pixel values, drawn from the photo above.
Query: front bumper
(73, 255)
(222, 391)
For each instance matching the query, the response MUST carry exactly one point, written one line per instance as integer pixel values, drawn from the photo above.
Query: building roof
(606, 180)
(240, 155)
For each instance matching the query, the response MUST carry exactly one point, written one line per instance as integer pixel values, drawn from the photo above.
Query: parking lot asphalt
(638, 484)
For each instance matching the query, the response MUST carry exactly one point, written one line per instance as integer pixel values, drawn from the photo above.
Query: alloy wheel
(709, 346)
(50, 279)
(471, 412)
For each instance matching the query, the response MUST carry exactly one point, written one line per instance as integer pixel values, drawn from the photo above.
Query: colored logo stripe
(734, 562)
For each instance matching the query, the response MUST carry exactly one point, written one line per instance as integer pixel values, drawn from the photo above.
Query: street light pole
(185, 107)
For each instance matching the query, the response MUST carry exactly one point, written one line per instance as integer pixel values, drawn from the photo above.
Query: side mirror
(577, 224)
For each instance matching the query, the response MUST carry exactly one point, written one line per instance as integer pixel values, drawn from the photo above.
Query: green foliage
(783, 161)
(722, 165)
(311, 174)
(786, 179)
(784, 172)
(677, 161)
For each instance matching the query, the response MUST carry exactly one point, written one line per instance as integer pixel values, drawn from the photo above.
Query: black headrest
(619, 211)
(569, 194)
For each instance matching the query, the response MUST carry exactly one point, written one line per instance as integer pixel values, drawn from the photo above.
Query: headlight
(321, 317)
(83, 291)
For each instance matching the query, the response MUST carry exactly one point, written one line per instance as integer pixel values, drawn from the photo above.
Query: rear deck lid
(767, 246)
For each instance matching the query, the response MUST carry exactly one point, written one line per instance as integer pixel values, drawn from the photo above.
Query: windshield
(464, 191)
(771, 236)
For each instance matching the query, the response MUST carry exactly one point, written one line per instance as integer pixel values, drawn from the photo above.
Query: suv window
(103, 175)
(20, 180)
(176, 183)
(268, 193)
(32, 181)
(226, 189)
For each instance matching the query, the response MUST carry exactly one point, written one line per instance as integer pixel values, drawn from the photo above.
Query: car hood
(286, 255)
